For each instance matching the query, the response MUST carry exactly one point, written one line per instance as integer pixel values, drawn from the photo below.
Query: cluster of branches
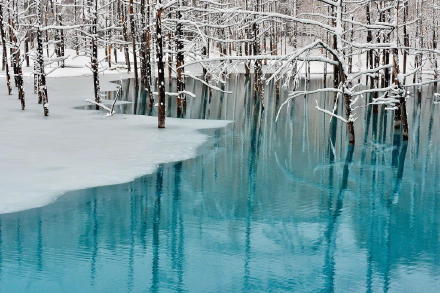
(273, 39)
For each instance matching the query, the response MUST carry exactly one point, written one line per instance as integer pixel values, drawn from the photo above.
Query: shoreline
(40, 163)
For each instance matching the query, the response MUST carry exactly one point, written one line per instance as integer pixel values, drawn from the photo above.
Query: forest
(372, 50)
(219, 146)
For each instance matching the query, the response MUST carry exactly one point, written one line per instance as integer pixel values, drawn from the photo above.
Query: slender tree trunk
(143, 45)
(5, 51)
(405, 38)
(434, 45)
(160, 66)
(247, 65)
(125, 35)
(59, 36)
(370, 53)
(180, 61)
(133, 40)
(94, 57)
(148, 72)
(17, 62)
(170, 56)
(42, 88)
(258, 67)
(336, 72)
(400, 115)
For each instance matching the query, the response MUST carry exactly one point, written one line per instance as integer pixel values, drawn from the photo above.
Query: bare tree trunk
(336, 72)
(76, 39)
(145, 51)
(5, 51)
(42, 88)
(160, 66)
(17, 62)
(350, 57)
(11, 50)
(434, 45)
(405, 38)
(400, 116)
(60, 37)
(148, 72)
(125, 35)
(94, 57)
(258, 67)
(370, 52)
(247, 65)
(143, 45)
(133, 40)
(26, 41)
(170, 56)
(180, 62)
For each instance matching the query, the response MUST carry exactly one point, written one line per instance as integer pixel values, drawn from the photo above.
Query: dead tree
(16, 56)
(133, 43)
(94, 56)
(5, 51)
(180, 61)
(258, 66)
(59, 36)
(125, 35)
(400, 115)
(42, 88)
(160, 66)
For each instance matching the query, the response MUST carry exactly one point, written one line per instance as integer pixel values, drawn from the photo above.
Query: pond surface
(268, 206)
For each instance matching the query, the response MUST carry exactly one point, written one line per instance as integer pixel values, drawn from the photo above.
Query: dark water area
(267, 206)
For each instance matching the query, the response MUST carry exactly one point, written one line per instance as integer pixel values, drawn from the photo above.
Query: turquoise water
(266, 207)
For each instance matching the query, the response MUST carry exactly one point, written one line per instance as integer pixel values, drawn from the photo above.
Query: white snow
(42, 158)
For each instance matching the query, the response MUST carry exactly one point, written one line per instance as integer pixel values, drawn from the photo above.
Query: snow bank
(42, 158)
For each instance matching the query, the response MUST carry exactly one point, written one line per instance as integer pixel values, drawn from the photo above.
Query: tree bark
(42, 88)
(180, 61)
(160, 66)
(133, 43)
(94, 57)
(5, 51)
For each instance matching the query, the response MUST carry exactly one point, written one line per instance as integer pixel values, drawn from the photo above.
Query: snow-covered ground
(42, 158)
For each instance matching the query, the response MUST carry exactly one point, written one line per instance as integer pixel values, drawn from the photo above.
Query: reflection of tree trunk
(177, 228)
(400, 167)
(39, 243)
(331, 231)
(94, 213)
(131, 231)
(366, 134)
(156, 228)
(255, 125)
(331, 149)
(1, 249)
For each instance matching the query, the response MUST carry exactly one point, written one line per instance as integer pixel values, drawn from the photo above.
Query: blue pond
(267, 206)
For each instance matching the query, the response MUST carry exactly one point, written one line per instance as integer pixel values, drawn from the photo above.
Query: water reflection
(269, 206)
